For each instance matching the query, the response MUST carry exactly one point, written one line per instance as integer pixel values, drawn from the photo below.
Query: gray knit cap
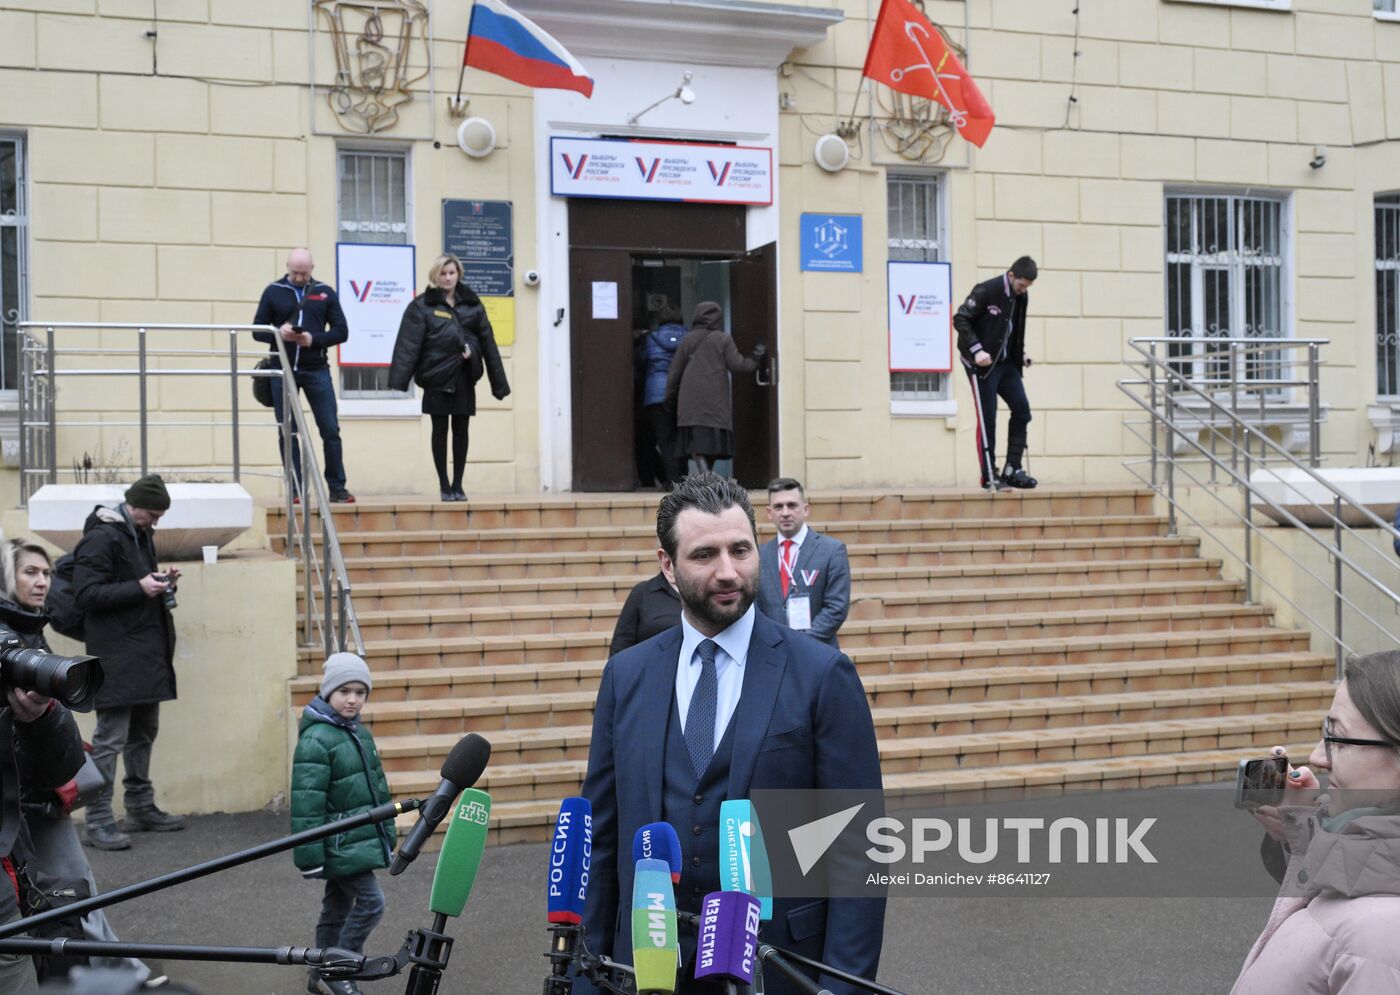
(342, 668)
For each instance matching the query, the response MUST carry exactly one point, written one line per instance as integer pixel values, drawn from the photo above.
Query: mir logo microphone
(570, 860)
(655, 942)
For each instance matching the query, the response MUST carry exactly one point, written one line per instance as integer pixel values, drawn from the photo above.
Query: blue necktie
(700, 719)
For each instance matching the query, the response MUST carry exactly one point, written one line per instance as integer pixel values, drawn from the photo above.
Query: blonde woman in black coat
(445, 344)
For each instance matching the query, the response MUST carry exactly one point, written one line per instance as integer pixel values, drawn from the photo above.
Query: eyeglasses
(1328, 740)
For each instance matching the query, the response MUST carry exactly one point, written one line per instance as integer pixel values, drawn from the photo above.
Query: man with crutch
(991, 327)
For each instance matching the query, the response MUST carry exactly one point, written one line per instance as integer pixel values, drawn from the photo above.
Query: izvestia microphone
(570, 860)
(460, 770)
(655, 939)
(461, 853)
(743, 859)
(727, 947)
(658, 841)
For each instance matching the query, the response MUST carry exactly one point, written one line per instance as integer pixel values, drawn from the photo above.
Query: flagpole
(462, 73)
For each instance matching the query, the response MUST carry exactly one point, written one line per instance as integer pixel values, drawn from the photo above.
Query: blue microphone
(658, 841)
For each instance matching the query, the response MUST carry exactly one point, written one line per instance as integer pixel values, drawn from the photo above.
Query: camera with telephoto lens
(73, 680)
(167, 597)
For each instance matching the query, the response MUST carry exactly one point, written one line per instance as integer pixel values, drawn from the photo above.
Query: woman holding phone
(1334, 925)
(445, 345)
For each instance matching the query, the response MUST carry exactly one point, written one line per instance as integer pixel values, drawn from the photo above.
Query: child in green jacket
(336, 772)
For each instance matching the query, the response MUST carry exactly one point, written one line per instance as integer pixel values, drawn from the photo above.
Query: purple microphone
(727, 945)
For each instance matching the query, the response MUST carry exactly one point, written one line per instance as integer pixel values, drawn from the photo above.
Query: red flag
(908, 54)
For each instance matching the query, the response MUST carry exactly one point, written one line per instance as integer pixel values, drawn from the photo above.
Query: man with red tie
(806, 576)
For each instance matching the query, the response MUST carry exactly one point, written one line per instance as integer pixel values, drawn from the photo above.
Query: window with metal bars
(1226, 274)
(915, 235)
(14, 270)
(1388, 296)
(373, 205)
(1383, 6)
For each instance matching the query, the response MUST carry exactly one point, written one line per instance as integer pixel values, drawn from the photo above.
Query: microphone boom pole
(379, 813)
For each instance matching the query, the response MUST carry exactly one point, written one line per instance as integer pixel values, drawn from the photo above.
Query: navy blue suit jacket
(803, 721)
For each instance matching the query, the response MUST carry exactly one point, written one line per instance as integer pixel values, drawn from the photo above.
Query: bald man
(307, 316)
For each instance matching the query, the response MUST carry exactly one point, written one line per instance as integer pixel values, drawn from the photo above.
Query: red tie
(785, 574)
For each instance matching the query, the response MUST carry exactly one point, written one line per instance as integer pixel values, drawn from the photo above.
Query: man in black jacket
(307, 316)
(991, 328)
(118, 586)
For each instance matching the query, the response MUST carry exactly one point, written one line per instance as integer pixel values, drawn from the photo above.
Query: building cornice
(701, 32)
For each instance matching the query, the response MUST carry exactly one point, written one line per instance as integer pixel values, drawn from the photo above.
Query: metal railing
(328, 617)
(1233, 413)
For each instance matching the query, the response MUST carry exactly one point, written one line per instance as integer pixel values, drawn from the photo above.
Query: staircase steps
(1053, 638)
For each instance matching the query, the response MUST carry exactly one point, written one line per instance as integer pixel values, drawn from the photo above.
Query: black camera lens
(73, 680)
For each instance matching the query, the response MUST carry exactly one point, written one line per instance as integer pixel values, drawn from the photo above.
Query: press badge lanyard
(799, 606)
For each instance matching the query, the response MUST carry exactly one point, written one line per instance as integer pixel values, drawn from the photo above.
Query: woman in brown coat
(697, 388)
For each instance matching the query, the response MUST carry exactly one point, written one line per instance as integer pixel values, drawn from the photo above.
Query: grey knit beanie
(342, 668)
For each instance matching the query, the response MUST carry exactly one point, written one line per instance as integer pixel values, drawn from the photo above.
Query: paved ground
(1147, 946)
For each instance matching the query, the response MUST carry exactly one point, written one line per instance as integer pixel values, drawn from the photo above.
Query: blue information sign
(478, 232)
(831, 243)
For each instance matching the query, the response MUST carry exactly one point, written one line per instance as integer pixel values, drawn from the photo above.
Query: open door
(600, 351)
(753, 286)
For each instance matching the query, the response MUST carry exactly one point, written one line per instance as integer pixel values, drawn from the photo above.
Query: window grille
(14, 269)
(1388, 296)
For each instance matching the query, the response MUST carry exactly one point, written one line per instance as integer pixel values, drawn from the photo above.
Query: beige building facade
(1183, 167)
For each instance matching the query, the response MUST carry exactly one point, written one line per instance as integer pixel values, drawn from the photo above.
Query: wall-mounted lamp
(476, 137)
(1319, 158)
(832, 153)
(683, 93)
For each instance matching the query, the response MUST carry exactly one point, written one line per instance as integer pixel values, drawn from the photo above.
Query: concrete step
(487, 715)
(410, 595)
(436, 542)
(571, 511)
(531, 820)
(544, 684)
(557, 619)
(976, 559)
(388, 657)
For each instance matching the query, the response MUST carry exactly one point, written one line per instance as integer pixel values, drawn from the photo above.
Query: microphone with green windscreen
(461, 853)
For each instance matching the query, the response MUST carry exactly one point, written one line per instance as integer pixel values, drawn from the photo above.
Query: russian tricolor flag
(503, 42)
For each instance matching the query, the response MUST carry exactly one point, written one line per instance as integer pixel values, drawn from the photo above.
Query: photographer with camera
(127, 603)
(1335, 920)
(57, 854)
(40, 748)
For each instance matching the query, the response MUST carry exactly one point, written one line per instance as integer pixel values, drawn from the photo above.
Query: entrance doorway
(628, 260)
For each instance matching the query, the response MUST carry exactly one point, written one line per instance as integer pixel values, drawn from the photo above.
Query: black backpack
(65, 617)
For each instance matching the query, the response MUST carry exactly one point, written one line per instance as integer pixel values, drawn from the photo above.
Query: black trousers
(1002, 380)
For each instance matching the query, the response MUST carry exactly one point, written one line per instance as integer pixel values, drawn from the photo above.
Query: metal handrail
(335, 620)
(1166, 386)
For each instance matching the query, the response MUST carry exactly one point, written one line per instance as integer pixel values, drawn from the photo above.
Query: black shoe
(342, 497)
(458, 494)
(106, 837)
(152, 820)
(447, 494)
(1014, 476)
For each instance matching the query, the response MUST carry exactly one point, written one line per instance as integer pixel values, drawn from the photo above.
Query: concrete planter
(199, 515)
(1375, 487)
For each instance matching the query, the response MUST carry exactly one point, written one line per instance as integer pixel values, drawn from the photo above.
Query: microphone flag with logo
(659, 841)
(907, 53)
(728, 941)
(461, 853)
(570, 857)
(743, 859)
(655, 939)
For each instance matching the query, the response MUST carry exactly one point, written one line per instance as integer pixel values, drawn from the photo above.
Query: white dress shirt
(729, 668)
(797, 542)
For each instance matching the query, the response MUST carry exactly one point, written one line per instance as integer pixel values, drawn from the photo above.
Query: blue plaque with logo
(831, 243)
